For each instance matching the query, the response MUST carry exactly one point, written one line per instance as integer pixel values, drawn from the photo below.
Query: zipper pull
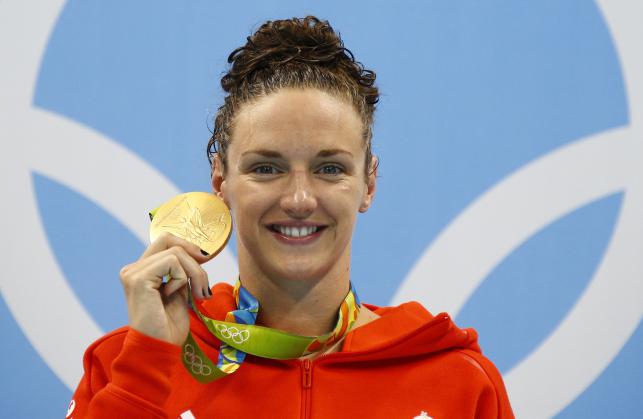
(307, 374)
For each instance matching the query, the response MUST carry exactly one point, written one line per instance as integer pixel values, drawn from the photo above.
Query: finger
(149, 273)
(194, 271)
(176, 305)
(166, 240)
(159, 265)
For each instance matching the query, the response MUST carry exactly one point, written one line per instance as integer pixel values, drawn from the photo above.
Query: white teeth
(296, 231)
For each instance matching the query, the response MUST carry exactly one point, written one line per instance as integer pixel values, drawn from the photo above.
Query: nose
(298, 199)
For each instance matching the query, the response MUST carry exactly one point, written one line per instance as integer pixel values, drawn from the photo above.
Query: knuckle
(172, 258)
(165, 237)
(125, 272)
(178, 250)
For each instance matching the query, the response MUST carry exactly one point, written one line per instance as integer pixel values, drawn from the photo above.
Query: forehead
(297, 118)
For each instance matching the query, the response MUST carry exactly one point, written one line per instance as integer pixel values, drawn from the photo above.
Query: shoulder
(478, 377)
(474, 367)
(104, 349)
(109, 345)
(126, 346)
(444, 352)
(100, 355)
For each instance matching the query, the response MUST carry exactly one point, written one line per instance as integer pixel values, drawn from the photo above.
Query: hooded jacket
(406, 364)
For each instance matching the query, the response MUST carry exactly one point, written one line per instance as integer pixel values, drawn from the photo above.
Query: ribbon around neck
(240, 336)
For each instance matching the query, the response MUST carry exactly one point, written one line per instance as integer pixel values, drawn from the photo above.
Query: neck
(303, 307)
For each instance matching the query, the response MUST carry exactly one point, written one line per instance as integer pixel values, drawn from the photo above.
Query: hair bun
(308, 41)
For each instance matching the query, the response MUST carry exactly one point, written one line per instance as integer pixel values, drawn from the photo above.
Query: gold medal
(198, 217)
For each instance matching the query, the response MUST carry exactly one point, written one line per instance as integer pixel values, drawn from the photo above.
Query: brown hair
(300, 53)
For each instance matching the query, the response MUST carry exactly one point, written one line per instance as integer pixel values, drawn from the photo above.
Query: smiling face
(295, 181)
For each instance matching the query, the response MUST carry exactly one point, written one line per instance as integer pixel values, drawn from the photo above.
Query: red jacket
(406, 364)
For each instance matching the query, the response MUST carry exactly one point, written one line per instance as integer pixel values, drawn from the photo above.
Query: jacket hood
(408, 330)
(403, 331)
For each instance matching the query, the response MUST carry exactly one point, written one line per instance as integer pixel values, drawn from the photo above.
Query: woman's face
(295, 181)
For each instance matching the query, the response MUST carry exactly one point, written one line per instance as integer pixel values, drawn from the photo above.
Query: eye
(265, 169)
(331, 169)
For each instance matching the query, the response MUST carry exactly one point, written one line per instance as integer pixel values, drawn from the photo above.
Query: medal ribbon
(240, 336)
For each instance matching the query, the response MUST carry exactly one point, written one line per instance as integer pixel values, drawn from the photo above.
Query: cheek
(247, 201)
(343, 202)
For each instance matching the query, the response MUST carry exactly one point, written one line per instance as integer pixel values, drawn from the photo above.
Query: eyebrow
(278, 155)
(262, 152)
(332, 152)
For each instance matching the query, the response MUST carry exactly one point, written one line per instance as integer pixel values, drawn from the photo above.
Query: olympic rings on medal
(237, 336)
(195, 362)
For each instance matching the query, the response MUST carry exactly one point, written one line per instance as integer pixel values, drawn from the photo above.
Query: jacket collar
(406, 330)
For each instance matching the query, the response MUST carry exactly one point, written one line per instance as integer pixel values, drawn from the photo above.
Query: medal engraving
(198, 217)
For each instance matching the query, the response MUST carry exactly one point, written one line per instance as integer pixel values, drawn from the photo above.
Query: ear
(371, 186)
(218, 180)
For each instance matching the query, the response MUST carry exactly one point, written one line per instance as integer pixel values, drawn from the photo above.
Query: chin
(301, 271)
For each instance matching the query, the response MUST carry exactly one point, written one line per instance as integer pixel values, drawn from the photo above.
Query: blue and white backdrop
(511, 189)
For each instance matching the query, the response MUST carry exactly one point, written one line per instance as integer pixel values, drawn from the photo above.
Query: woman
(291, 157)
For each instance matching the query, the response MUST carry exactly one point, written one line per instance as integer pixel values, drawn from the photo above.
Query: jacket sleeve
(126, 374)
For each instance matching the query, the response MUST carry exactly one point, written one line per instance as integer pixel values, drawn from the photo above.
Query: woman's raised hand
(160, 310)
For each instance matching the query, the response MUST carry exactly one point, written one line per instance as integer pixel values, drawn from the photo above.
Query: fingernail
(204, 253)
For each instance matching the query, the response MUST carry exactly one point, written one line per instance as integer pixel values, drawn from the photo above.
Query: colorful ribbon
(240, 336)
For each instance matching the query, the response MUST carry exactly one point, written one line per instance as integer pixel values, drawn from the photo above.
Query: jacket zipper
(306, 365)
(306, 384)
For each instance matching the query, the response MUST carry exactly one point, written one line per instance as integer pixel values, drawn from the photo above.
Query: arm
(127, 374)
